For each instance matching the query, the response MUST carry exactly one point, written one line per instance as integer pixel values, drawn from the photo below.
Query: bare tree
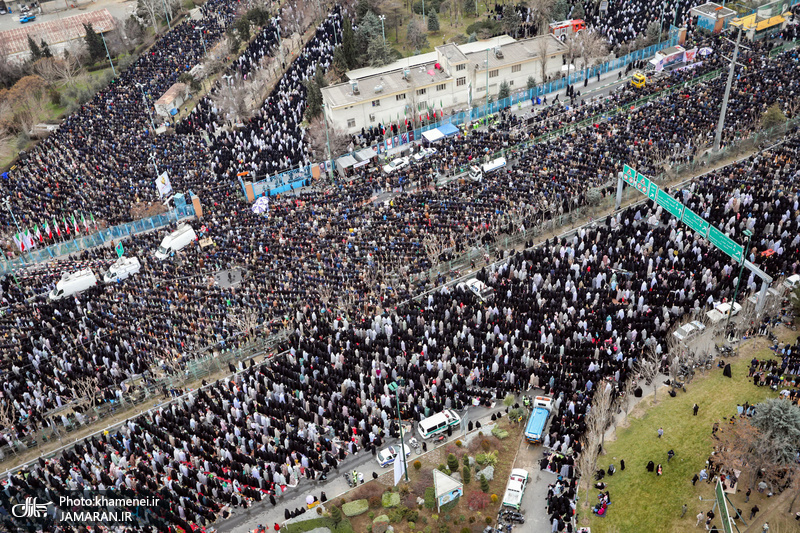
(151, 8)
(318, 141)
(592, 45)
(245, 321)
(7, 418)
(627, 391)
(542, 12)
(648, 368)
(543, 49)
(86, 392)
(68, 70)
(596, 424)
(435, 244)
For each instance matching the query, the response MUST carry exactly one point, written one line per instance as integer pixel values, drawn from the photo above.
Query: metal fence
(38, 255)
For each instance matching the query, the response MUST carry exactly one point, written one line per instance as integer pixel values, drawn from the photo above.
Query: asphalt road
(57, 10)
(229, 278)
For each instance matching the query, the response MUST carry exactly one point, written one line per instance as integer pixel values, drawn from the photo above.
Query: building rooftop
(15, 41)
(177, 89)
(712, 10)
(392, 79)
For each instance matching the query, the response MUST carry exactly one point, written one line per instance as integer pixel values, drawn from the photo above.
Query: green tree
(233, 37)
(339, 59)
(652, 33)
(773, 116)
(469, 8)
(36, 52)
(336, 515)
(484, 484)
(433, 21)
(94, 43)
(577, 11)
(258, 16)
(779, 421)
(531, 83)
(313, 100)
(379, 52)
(559, 10)
(452, 462)
(45, 49)
(466, 474)
(243, 29)
(505, 91)
(511, 20)
(349, 49)
(472, 37)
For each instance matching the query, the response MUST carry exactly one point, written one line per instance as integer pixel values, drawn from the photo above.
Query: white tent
(446, 488)
(433, 135)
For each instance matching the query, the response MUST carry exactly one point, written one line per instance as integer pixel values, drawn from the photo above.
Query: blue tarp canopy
(448, 129)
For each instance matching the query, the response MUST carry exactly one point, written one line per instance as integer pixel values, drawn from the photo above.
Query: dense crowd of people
(337, 270)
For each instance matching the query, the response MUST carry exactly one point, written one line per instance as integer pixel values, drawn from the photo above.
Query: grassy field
(643, 501)
(447, 30)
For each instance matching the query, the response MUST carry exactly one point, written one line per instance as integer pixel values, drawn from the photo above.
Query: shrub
(371, 515)
(465, 460)
(477, 501)
(441, 468)
(500, 433)
(411, 526)
(486, 445)
(452, 462)
(494, 498)
(444, 528)
(466, 530)
(336, 515)
(417, 464)
(484, 484)
(481, 459)
(466, 475)
(412, 516)
(355, 508)
(374, 501)
(488, 520)
(471, 520)
(459, 443)
(390, 499)
(428, 529)
(430, 498)
(404, 489)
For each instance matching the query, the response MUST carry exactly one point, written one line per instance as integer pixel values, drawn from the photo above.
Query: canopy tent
(433, 135)
(346, 161)
(446, 489)
(366, 154)
(448, 129)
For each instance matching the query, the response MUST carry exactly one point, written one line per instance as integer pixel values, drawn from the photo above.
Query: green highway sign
(629, 176)
(669, 203)
(725, 243)
(694, 221)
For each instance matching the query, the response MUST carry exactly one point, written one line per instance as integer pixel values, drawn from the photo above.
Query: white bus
(438, 423)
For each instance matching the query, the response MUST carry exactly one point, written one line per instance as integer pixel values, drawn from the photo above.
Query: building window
(351, 123)
(511, 83)
(494, 73)
(401, 97)
(516, 68)
(420, 92)
(441, 87)
(376, 103)
(461, 81)
(460, 67)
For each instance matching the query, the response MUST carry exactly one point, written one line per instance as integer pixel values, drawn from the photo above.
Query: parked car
(388, 455)
(396, 164)
(424, 153)
(515, 489)
(28, 17)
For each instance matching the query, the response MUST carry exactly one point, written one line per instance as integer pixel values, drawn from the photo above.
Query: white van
(720, 312)
(123, 268)
(476, 173)
(175, 241)
(73, 283)
(792, 282)
(438, 423)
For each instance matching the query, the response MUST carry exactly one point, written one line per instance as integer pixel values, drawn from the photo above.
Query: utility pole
(748, 234)
(202, 29)
(721, 123)
(108, 54)
(328, 142)
(166, 15)
(383, 30)
(486, 112)
(149, 112)
(394, 388)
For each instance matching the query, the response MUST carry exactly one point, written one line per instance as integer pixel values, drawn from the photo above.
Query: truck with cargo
(534, 430)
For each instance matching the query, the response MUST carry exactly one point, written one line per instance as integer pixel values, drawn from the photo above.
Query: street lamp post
(721, 122)
(202, 29)
(393, 387)
(144, 100)
(108, 54)
(748, 234)
(383, 29)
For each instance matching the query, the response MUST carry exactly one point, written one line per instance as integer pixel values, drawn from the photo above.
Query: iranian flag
(66, 226)
(75, 227)
(55, 224)
(93, 221)
(28, 239)
(19, 242)
(85, 223)
(38, 233)
(47, 230)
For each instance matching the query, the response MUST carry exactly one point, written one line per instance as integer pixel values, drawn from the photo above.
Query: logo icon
(29, 509)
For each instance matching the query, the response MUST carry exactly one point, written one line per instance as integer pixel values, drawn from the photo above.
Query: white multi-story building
(447, 80)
